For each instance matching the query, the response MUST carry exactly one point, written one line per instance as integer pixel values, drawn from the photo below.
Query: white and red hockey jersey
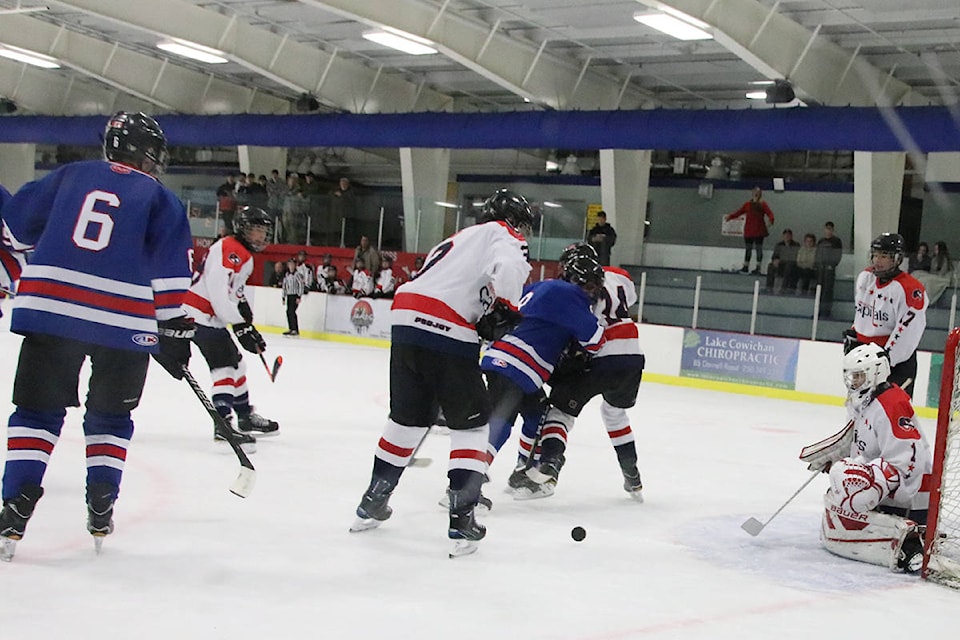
(218, 284)
(886, 432)
(892, 315)
(460, 280)
(362, 283)
(621, 337)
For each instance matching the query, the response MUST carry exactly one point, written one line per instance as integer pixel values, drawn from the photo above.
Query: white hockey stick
(754, 526)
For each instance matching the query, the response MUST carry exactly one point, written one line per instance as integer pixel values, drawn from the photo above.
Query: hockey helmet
(585, 272)
(890, 244)
(509, 206)
(136, 140)
(576, 250)
(864, 369)
(247, 222)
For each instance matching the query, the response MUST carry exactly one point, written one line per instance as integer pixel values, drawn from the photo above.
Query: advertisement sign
(734, 357)
(733, 228)
(364, 317)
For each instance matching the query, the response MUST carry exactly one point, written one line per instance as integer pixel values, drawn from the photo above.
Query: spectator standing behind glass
(369, 255)
(920, 261)
(276, 189)
(294, 212)
(783, 263)
(227, 202)
(279, 271)
(807, 264)
(361, 283)
(602, 237)
(940, 276)
(386, 281)
(293, 290)
(754, 227)
(829, 252)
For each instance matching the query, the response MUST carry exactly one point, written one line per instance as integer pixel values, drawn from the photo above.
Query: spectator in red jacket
(754, 228)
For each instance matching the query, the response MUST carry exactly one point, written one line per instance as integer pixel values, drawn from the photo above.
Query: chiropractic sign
(739, 358)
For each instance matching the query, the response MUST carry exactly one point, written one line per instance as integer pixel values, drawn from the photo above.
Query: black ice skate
(523, 488)
(464, 529)
(247, 442)
(99, 512)
(484, 504)
(548, 470)
(13, 519)
(632, 484)
(256, 425)
(373, 509)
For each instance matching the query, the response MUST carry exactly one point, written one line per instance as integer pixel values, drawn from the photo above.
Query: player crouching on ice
(876, 506)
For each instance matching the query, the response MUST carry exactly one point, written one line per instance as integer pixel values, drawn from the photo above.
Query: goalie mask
(585, 272)
(890, 245)
(864, 369)
(509, 206)
(136, 140)
(252, 227)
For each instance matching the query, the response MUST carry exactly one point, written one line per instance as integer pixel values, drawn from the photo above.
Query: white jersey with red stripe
(218, 284)
(460, 280)
(621, 336)
(887, 428)
(892, 314)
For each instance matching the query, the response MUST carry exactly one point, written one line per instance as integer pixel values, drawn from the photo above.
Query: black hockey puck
(578, 533)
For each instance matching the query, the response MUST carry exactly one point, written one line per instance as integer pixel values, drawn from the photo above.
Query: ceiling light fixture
(672, 25)
(193, 51)
(757, 95)
(446, 205)
(552, 205)
(28, 57)
(401, 41)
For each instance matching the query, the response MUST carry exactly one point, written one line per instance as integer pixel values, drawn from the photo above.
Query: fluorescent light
(447, 205)
(552, 205)
(193, 51)
(680, 15)
(478, 203)
(757, 95)
(28, 57)
(761, 83)
(672, 26)
(401, 41)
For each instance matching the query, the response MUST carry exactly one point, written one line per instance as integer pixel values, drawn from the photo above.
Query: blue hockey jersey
(554, 312)
(110, 255)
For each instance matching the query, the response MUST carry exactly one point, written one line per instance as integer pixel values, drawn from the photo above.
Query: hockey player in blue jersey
(518, 364)
(108, 272)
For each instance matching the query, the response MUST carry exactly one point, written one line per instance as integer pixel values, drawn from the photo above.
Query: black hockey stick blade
(243, 485)
(276, 368)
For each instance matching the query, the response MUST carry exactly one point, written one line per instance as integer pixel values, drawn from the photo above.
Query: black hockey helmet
(576, 250)
(136, 140)
(248, 219)
(585, 272)
(891, 244)
(508, 206)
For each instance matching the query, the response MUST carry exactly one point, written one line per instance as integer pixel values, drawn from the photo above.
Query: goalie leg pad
(872, 537)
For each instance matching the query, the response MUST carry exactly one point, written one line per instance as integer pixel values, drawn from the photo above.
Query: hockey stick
(276, 366)
(421, 462)
(244, 483)
(754, 526)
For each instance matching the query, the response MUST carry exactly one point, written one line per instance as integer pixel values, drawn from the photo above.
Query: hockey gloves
(498, 321)
(174, 335)
(850, 341)
(249, 338)
(574, 361)
(245, 311)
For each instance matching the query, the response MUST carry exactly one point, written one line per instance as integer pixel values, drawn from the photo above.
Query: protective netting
(943, 538)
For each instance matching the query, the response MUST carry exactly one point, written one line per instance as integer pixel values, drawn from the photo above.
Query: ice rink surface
(191, 560)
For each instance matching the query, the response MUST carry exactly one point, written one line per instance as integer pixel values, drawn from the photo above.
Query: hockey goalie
(879, 466)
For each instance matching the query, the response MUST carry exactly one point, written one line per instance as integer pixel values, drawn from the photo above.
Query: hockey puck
(578, 533)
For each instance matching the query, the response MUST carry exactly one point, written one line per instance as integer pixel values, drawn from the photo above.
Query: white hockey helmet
(865, 368)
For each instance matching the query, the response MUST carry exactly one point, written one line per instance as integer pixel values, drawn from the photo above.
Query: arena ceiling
(287, 56)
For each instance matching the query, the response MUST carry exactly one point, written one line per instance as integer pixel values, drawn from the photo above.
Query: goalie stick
(244, 483)
(754, 526)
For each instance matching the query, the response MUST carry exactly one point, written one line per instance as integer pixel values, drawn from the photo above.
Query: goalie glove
(498, 321)
(174, 336)
(249, 338)
(821, 455)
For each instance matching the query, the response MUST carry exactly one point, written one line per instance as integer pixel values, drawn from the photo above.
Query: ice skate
(632, 484)
(373, 509)
(254, 424)
(527, 489)
(464, 530)
(911, 555)
(484, 504)
(99, 513)
(247, 442)
(547, 471)
(14, 517)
